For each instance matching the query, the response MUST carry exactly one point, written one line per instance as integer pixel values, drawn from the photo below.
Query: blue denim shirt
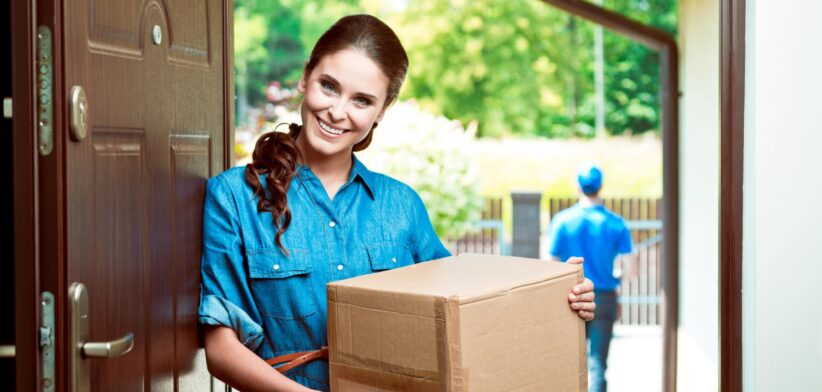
(276, 302)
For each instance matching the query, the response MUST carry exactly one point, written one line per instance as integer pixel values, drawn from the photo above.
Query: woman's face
(343, 96)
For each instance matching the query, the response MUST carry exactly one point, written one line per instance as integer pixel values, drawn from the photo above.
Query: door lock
(79, 113)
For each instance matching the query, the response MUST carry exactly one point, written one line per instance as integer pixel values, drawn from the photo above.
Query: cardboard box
(464, 323)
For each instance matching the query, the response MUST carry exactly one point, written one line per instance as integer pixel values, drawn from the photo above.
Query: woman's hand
(581, 298)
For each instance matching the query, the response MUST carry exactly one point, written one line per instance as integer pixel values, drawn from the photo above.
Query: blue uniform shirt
(594, 233)
(276, 302)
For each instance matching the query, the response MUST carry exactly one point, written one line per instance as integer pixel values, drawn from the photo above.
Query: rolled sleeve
(226, 298)
(215, 310)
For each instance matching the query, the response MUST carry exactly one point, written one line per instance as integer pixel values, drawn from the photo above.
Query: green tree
(632, 70)
(495, 62)
(524, 67)
(515, 67)
(272, 41)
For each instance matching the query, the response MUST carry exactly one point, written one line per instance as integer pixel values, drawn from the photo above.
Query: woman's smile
(325, 126)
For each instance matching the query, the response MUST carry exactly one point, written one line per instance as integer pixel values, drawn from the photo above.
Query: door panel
(135, 185)
(190, 42)
(117, 235)
(112, 26)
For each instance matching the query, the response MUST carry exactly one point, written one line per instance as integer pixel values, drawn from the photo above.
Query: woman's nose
(336, 111)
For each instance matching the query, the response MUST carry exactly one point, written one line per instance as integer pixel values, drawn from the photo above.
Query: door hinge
(44, 91)
(47, 342)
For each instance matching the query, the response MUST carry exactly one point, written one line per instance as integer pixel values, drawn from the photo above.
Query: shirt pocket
(388, 255)
(282, 285)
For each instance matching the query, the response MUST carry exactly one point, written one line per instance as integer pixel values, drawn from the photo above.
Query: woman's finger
(586, 306)
(584, 297)
(584, 287)
(587, 316)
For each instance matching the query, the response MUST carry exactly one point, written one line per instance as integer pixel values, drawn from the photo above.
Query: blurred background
(503, 102)
(532, 89)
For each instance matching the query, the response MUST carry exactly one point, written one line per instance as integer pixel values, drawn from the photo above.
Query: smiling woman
(345, 97)
(307, 212)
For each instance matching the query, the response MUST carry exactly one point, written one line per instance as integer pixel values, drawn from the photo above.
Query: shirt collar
(366, 176)
(595, 206)
(358, 171)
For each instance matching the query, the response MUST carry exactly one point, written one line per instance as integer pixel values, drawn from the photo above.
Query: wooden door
(155, 78)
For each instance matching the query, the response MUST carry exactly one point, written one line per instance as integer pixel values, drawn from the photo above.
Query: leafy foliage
(515, 67)
(430, 153)
(632, 70)
(273, 38)
(495, 62)
(435, 156)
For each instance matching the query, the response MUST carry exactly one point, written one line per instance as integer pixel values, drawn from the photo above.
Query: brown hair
(276, 154)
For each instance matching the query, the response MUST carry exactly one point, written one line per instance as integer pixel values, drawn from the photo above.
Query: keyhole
(83, 113)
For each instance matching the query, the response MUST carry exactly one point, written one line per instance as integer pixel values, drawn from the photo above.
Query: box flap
(480, 276)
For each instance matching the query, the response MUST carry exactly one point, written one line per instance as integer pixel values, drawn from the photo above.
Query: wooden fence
(639, 290)
(489, 236)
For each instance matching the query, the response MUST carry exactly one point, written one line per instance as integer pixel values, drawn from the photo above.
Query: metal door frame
(668, 50)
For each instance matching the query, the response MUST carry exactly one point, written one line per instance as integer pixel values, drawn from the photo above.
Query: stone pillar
(525, 240)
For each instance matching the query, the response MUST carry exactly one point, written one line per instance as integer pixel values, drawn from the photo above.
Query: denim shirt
(276, 302)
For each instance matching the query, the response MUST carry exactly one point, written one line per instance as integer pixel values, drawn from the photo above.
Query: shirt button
(276, 267)
(393, 259)
(332, 224)
(339, 267)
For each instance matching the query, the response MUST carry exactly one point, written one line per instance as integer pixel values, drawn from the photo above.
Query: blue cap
(590, 179)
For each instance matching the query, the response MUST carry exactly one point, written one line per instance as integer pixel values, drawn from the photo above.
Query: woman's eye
(362, 101)
(328, 87)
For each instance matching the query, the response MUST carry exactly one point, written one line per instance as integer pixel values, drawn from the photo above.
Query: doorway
(281, 65)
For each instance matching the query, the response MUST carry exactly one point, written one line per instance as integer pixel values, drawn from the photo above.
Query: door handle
(112, 349)
(83, 350)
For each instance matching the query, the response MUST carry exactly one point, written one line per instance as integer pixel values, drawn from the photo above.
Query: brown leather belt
(296, 359)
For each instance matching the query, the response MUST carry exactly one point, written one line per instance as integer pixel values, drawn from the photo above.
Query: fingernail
(573, 297)
(575, 305)
(576, 290)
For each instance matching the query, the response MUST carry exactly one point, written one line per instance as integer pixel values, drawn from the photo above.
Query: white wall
(782, 239)
(699, 196)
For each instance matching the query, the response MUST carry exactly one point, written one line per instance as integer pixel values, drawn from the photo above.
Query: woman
(307, 212)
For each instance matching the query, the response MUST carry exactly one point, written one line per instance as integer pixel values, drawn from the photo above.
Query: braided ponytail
(275, 157)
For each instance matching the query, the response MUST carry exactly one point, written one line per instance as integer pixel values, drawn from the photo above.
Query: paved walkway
(635, 360)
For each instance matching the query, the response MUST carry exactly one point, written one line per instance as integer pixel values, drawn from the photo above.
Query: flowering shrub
(281, 109)
(432, 154)
(435, 156)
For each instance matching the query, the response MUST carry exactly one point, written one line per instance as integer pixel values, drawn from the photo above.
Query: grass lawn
(632, 166)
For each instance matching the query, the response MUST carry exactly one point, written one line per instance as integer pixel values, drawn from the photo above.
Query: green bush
(436, 157)
(432, 154)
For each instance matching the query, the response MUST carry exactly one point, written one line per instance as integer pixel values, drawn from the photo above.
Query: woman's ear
(379, 116)
(382, 112)
(302, 83)
(303, 79)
